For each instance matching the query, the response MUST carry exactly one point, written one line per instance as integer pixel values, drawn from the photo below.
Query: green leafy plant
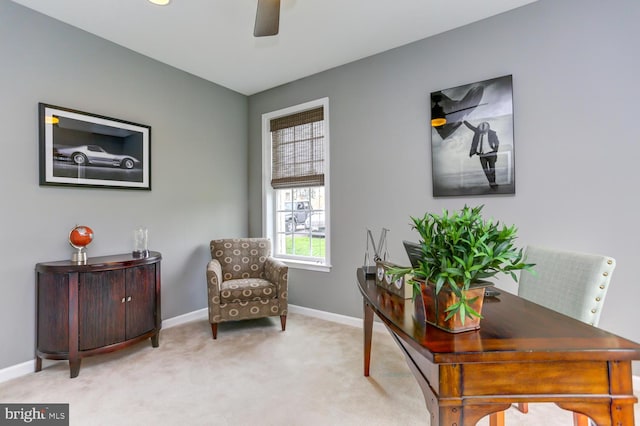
(461, 248)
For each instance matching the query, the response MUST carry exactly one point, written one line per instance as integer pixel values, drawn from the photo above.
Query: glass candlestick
(140, 242)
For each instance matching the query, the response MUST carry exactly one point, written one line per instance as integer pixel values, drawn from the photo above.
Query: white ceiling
(213, 39)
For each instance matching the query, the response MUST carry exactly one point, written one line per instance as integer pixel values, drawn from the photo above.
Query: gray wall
(199, 165)
(574, 65)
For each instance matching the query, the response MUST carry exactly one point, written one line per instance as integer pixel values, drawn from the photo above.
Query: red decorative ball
(80, 236)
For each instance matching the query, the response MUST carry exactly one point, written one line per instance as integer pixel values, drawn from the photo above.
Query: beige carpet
(254, 374)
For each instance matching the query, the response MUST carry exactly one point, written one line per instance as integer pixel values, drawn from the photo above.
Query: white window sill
(309, 266)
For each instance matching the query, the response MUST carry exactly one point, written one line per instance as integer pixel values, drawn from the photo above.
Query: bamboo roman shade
(297, 142)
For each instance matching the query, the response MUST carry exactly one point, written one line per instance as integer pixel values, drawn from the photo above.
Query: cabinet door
(101, 311)
(141, 308)
(53, 312)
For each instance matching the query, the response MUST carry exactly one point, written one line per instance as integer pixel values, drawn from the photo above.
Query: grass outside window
(305, 246)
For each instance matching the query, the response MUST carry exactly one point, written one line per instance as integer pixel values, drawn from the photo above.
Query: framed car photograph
(82, 149)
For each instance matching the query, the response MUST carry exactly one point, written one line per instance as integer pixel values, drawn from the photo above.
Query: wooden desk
(523, 352)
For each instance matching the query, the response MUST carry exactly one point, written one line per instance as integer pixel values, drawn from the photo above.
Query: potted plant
(460, 251)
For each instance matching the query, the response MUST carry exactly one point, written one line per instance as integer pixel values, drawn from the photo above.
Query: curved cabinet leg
(38, 364)
(155, 340)
(74, 367)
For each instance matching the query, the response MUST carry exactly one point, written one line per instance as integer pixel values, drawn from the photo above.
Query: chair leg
(214, 330)
(496, 419)
(580, 420)
(523, 407)
(283, 321)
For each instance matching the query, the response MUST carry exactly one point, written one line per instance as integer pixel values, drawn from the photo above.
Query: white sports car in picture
(94, 155)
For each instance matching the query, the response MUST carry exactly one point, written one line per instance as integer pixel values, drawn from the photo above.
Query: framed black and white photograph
(82, 149)
(472, 146)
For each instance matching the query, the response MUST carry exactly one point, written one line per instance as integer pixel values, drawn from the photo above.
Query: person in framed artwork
(485, 144)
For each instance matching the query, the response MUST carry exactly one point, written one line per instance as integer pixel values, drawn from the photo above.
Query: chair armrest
(278, 273)
(214, 280)
(214, 277)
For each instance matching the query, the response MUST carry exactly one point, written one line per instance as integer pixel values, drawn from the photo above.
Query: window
(296, 184)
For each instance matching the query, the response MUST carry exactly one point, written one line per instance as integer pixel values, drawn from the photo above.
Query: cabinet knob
(122, 301)
(129, 299)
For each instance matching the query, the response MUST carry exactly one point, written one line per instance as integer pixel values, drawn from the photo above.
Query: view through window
(301, 222)
(297, 220)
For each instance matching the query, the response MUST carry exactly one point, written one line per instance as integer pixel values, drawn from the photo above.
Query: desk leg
(616, 412)
(621, 384)
(368, 331)
(496, 419)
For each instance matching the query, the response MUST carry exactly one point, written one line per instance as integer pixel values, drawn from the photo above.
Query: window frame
(268, 193)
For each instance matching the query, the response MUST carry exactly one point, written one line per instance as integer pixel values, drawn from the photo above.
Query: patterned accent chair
(245, 282)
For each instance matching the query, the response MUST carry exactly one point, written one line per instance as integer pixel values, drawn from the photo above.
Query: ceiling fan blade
(267, 18)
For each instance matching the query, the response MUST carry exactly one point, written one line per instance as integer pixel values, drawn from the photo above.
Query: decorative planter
(394, 285)
(431, 307)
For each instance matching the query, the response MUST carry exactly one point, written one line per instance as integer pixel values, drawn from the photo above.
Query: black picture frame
(81, 149)
(472, 144)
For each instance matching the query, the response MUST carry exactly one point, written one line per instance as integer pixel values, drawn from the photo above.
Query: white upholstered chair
(574, 284)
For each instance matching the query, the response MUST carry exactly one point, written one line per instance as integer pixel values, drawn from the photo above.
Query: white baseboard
(182, 319)
(17, 370)
(341, 319)
(329, 316)
(295, 309)
(27, 367)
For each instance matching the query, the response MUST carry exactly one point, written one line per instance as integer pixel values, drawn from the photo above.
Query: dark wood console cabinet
(106, 304)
